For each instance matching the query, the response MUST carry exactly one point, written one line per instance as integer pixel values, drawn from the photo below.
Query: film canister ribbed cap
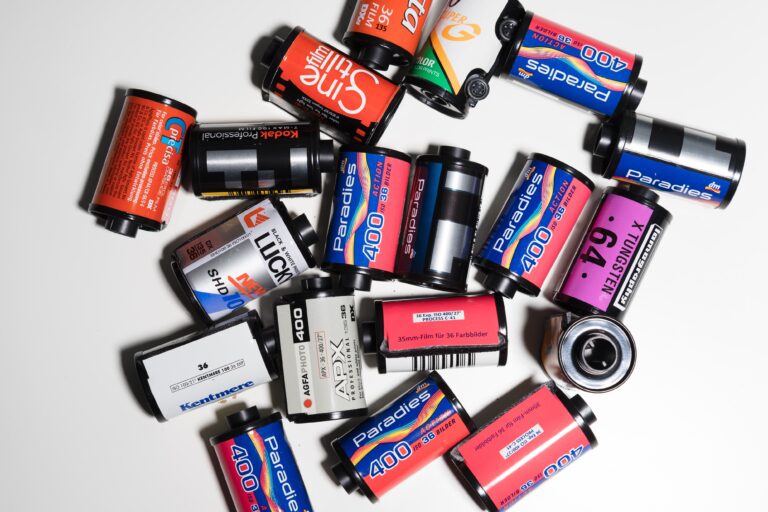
(121, 226)
(453, 152)
(604, 140)
(317, 283)
(350, 280)
(326, 158)
(269, 339)
(269, 54)
(306, 232)
(374, 57)
(244, 417)
(368, 337)
(580, 407)
(636, 94)
(343, 477)
(501, 284)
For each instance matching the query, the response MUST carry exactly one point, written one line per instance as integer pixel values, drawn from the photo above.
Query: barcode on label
(441, 361)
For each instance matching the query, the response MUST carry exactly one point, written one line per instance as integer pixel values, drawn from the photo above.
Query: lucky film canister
(393, 444)
(367, 215)
(231, 264)
(142, 171)
(573, 67)
(672, 158)
(615, 253)
(441, 220)
(535, 223)
(258, 464)
(206, 367)
(313, 80)
(453, 68)
(434, 333)
(233, 161)
(385, 33)
(592, 353)
(526, 445)
(317, 335)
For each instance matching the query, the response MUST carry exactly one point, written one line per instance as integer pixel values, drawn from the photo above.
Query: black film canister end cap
(269, 339)
(243, 417)
(604, 140)
(123, 227)
(306, 232)
(317, 283)
(375, 57)
(636, 94)
(368, 337)
(453, 152)
(355, 281)
(343, 477)
(326, 157)
(498, 283)
(269, 54)
(582, 409)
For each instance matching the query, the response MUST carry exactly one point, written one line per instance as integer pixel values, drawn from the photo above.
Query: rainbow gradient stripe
(265, 478)
(545, 53)
(364, 178)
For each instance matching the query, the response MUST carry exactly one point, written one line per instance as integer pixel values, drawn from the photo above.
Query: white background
(687, 432)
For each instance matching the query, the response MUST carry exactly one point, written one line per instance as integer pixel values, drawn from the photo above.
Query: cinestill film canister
(314, 81)
(142, 172)
(386, 33)
(615, 253)
(435, 333)
(393, 444)
(441, 220)
(533, 226)
(318, 339)
(258, 464)
(234, 161)
(573, 67)
(206, 367)
(671, 158)
(368, 204)
(454, 67)
(592, 353)
(529, 443)
(229, 265)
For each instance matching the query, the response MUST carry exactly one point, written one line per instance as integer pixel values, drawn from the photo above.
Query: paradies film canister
(526, 445)
(393, 444)
(142, 171)
(434, 333)
(231, 264)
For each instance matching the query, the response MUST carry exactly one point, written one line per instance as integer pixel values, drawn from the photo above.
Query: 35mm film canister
(385, 33)
(592, 353)
(615, 253)
(206, 367)
(532, 229)
(529, 443)
(313, 80)
(142, 171)
(441, 220)
(672, 158)
(434, 333)
(258, 464)
(231, 264)
(367, 215)
(317, 335)
(233, 161)
(393, 444)
(573, 67)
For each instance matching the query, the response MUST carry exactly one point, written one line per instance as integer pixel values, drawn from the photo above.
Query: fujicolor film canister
(573, 67)
(258, 464)
(367, 215)
(229, 265)
(233, 161)
(528, 444)
(386, 33)
(671, 158)
(441, 220)
(393, 444)
(453, 69)
(615, 253)
(206, 367)
(317, 335)
(313, 80)
(434, 333)
(142, 171)
(533, 227)
(592, 353)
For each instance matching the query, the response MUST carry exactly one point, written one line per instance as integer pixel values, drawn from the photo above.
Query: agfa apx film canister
(317, 334)
(441, 220)
(672, 158)
(528, 444)
(573, 67)
(229, 265)
(313, 80)
(142, 172)
(434, 333)
(258, 464)
(367, 215)
(385, 33)
(453, 68)
(206, 367)
(592, 353)
(533, 226)
(615, 253)
(233, 161)
(393, 444)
